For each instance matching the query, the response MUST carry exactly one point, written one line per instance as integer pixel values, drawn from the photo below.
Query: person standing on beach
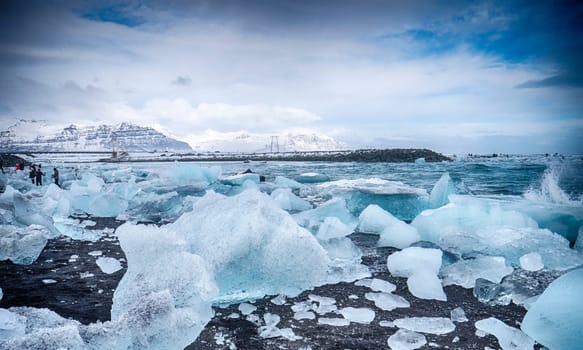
(32, 173)
(39, 176)
(56, 176)
(2, 164)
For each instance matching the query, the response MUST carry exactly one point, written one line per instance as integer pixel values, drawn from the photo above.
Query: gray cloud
(182, 81)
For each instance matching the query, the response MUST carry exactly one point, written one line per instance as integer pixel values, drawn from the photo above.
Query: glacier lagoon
(200, 238)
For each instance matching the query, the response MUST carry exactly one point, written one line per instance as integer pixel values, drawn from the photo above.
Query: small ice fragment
(303, 315)
(87, 223)
(108, 265)
(278, 300)
(426, 285)
(379, 285)
(432, 325)
(387, 301)
(322, 300)
(508, 337)
(234, 315)
(458, 315)
(219, 338)
(406, 340)
(388, 324)
(301, 306)
(247, 308)
(337, 322)
(96, 253)
(531, 262)
(49, 281)
(86, 274)
(358, 315)
(353, 297)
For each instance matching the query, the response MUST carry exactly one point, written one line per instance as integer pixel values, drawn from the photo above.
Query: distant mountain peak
(21, 137)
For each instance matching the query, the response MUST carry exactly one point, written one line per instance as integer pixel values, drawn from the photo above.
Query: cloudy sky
(457, 77)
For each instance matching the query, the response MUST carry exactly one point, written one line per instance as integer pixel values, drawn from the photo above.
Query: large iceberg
(251, 246)
(468, 226)
(22, 245)
(555, 319)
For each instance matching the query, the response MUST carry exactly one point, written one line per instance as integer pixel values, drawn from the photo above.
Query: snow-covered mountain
(250, 142)
(38, 136)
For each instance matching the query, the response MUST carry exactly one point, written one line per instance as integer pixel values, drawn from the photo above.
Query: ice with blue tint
(441, 191)
(289, 201)
(313, 218)
(239, 179)
(555, 319)
(187, 174)
(256, 248)
(311, 177)
(508, 337)
(404, 339)
(373, 186)
(393, 232)
(332, 228)
(431, 325)
(283, 181)
(22, 245)
(469, 225)
(172, 285)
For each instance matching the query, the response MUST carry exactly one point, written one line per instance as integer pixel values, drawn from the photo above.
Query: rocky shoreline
(78, 289)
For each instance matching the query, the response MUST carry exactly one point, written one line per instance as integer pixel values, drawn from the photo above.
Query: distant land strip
(395, 155)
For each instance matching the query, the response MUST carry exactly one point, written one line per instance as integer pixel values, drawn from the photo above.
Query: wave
(549, 189)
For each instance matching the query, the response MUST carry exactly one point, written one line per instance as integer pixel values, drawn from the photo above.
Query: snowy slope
(250, 142)
(38, 136)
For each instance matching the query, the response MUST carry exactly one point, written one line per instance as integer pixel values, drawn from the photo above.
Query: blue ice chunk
(22, 245)
(312, 219)
(441, 190)
(309, 178)
(555, 319)
(289, 201)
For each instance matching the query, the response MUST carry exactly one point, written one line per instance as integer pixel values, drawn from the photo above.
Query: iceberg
(470, 226)
(555, 319)
(254, 249)
(22, 245)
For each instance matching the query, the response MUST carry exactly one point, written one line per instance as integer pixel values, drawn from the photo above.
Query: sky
(453, 76)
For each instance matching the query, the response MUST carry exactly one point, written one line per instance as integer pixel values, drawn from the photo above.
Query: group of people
(36, 175)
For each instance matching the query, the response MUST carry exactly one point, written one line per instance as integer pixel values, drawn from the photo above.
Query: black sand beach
(78, 295)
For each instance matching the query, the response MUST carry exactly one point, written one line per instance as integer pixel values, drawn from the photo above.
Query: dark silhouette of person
(39, 176)
(32, 173)
(2, 164)
(56, 176)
